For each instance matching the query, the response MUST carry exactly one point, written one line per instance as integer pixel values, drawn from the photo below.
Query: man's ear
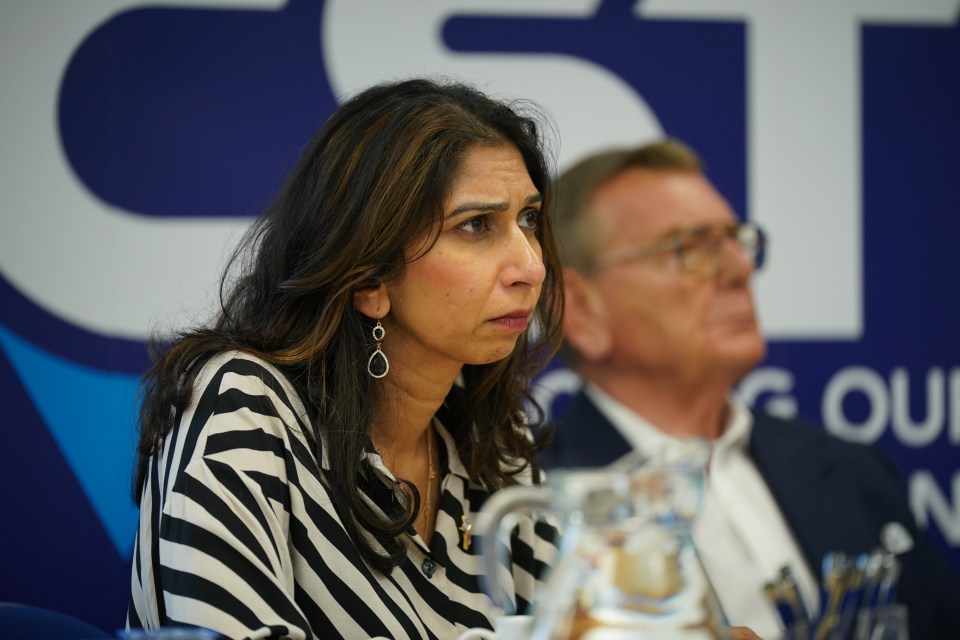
(585, 322)
(373, 302)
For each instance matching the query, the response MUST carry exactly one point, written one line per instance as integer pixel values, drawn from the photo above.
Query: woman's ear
(373, 302)
(585, 323)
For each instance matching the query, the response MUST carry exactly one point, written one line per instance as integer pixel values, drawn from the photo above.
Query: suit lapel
(822, 508)
(585, 438)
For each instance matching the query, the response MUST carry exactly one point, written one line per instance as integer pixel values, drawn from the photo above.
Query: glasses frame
(749, 236)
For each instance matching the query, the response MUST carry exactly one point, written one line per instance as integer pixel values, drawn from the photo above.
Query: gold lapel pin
(465, 527)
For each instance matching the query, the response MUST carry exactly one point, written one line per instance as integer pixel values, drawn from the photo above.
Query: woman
(310, 465)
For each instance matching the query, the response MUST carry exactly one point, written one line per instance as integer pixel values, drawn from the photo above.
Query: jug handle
(488, 524)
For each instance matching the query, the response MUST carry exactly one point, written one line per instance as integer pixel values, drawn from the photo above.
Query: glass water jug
(626, 567)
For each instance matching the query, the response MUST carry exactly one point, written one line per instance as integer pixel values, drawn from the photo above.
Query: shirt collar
(646, 438)
(736, 433)
(449, 460)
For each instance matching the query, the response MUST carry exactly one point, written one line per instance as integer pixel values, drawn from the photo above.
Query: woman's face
(469, 298)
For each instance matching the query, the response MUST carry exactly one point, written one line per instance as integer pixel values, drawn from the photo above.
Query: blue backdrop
(137, 138)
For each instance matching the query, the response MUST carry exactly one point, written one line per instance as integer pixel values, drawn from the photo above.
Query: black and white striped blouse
(238, 532)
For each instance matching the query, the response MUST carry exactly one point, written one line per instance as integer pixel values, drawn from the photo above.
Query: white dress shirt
(740, 534)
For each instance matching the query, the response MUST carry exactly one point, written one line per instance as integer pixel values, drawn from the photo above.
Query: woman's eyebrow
(490, 207)
(477, 207)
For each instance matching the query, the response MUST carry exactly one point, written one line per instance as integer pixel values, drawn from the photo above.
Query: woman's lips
(512, 321)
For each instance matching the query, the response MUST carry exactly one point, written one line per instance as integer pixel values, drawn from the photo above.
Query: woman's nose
(524, 259)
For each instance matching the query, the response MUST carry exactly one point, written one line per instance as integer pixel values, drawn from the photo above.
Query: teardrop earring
(378, 365)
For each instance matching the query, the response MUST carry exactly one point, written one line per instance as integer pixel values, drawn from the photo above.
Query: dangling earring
(378, 365)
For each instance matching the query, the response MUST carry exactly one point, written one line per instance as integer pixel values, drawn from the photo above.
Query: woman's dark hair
(370, 184)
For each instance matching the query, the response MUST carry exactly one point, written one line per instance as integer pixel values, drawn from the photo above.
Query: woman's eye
(477, 224)
(530, 219)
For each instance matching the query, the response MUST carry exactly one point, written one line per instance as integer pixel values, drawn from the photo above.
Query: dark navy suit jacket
(835, 496)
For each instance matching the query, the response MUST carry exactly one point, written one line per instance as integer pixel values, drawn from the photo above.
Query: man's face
(662, 319)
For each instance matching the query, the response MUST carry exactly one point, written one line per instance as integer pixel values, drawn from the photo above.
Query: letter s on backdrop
(592, 107)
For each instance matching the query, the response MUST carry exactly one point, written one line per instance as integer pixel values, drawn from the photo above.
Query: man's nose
(735, 264)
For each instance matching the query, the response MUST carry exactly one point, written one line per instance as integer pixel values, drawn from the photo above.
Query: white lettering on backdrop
(931, 506)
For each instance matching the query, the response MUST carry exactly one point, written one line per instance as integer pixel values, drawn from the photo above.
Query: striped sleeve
(225, 510)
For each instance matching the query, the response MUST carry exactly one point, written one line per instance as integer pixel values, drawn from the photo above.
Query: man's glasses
(699, 251)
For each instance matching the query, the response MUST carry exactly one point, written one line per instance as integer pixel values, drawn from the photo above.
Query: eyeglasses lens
(752, 241)
(702, 252)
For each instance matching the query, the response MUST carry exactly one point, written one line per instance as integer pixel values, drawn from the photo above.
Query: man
(661, 324)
